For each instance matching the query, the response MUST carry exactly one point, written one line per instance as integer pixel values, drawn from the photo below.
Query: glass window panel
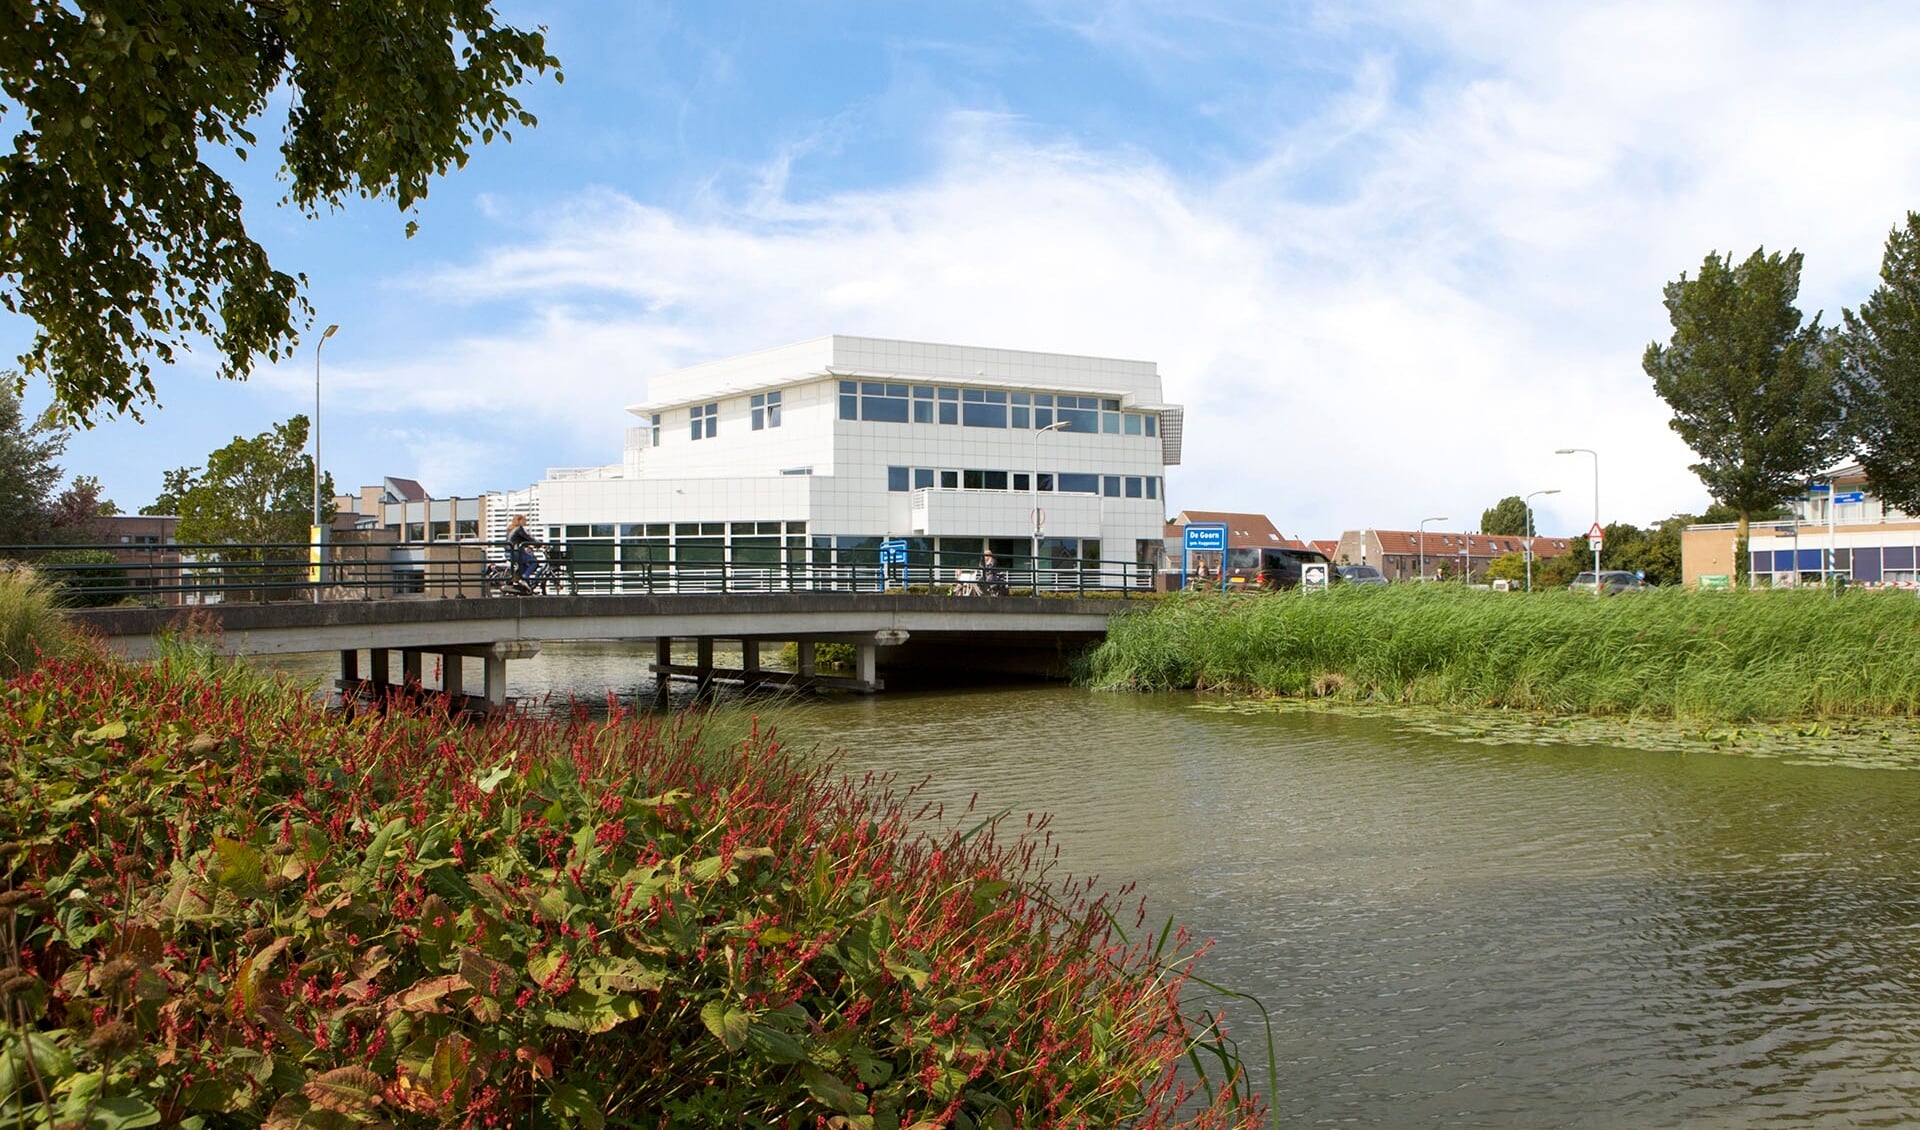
(1022, 417)
(796, 527)
(996, 397)
(996, 480)
(1042, 417)
(1110, 423)
(923, 392)
(949, 413)
(1134, 489)
(756, 551)
(656, 529)
(699, 551)
(766, 527)
(872, 388)
(849, 386)
(849, 408)
(896, 478)
(923, 411)
(949, 394)
(1153, 486)
(1022, 481)
(886, 410)
(713, 527)
(1133, 424)
(974, 395)
(1046, 480)
(1110, 405)
(576, 531)
(899, 391)
(922, 477)
(1111, 487)
(1090, 549)
(984, 415)
(973, 480)
(1080, 420)
(1076, 483)
(1150, 424)
(685, 529)
(950, 480)
(1022, 398)
(1045, 398)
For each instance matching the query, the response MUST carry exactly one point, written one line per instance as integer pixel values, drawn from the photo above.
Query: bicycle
(551, 575)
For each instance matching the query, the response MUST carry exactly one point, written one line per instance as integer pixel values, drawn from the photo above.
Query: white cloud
(1400, 309)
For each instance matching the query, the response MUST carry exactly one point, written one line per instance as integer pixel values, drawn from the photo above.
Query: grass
(32, 626)
(1668, 654)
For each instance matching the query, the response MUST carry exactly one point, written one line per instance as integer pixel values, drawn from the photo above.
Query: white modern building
(809, 455)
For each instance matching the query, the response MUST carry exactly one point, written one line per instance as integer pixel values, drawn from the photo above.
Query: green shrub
(31, 625)
(223, 908)
(88, 578)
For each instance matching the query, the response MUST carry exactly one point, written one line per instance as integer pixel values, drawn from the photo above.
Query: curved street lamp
(1422, 574)
(1596, 506)
(1039, 520)
(329, 332)
(1529, 505)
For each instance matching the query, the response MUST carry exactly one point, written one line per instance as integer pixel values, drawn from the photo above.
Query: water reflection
(1462, 935)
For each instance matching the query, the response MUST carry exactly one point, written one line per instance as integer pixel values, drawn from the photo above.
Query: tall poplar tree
(1754, 392)
(1508, 517)
(1881, 373)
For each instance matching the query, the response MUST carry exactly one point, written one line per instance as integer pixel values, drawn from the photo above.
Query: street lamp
(329, 332)
(1529, 505)
(1039, 519)
(1597, 590)
(1422, 574)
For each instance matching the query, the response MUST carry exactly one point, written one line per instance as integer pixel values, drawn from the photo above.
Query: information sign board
(893, 552)
(1205, 537)
(1315, 575)
(1851, 496)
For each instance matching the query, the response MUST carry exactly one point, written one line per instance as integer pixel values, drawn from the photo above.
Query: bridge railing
(197, 574)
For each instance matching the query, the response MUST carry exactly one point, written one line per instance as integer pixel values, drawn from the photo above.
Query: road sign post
(1202, 537)
(1595, 536)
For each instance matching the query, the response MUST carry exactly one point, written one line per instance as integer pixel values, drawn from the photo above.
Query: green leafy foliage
(1754, 392)
(1882, 373)
(224, 908)
(255, 491)
(28, 472)
(118, 237)
(1508, 517)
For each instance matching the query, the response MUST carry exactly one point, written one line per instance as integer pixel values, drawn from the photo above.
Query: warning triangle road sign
(1596, 532)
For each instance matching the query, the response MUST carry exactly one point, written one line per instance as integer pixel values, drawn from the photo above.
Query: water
(1460, 935)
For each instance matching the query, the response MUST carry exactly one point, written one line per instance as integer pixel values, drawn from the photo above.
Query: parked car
(1361, 575)
(1612, 580)
(1269, 567)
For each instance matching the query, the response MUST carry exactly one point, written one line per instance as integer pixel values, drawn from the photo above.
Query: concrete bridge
(888, 631)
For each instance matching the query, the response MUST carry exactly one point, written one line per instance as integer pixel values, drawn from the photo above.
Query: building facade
(1405, 554)
(809, 455)
(1837, 528)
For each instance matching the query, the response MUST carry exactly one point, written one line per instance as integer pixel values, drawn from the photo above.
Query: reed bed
(1690, 656)
(31, 623)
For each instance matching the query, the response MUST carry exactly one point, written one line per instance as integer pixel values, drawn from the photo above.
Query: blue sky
(1390, 255)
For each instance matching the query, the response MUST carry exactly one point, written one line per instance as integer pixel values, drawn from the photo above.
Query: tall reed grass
(1758, 656)
(31, 624)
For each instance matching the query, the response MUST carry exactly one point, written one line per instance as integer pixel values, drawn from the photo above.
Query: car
(1611, 580)
(1272, 568)
(1360, 575)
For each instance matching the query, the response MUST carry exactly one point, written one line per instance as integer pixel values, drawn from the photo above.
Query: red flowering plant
(225, 907)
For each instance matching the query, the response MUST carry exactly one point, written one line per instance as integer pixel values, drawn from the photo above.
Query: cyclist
(520, 545)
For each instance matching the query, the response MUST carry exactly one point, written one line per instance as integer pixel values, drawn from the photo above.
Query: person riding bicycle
(992, 581)
(520, 545)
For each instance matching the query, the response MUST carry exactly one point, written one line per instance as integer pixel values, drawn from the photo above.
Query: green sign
(1712, 581)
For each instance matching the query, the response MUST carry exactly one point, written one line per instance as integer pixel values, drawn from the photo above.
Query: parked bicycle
(551, 575)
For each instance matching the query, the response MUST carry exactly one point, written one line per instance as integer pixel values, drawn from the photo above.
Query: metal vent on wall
(1172, 417)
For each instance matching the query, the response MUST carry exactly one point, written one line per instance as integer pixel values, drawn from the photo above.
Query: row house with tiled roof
(1405, 554)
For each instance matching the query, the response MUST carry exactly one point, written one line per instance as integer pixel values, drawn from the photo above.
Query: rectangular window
(1110, 423)
(1111, 487)
(884, 403)
(996, 480)
(416, 531)
(1022, 418)
(466, 529)
(973, 480)
(1153, 486)
(1080, 420)
(897, 478)
(922, 477)
(706, 420)
(1078, 483)
(1133, 487)
(949, 405)
(1042, 418)
(1133, 423)
(1046, 481)
(950, 480)
(765, 408)
(656, 429)
(981, 415)
(1022, 481)
(442, 531)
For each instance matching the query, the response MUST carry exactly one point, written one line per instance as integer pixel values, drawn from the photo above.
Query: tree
(1507, 518)
(253, 491)
(28, 472)
(77, 505)
(1881, 373)
(120, 240)
(1754, 392)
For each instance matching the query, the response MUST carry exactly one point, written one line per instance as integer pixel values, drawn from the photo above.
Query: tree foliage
(28, 472)
(1508, 517)
(1881, 373)
(1754, 392)
(119, 238)
(253, 491)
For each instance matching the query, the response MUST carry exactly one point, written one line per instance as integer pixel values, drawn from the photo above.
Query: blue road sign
(1205, 536)
(893, 553)
(1851, 496)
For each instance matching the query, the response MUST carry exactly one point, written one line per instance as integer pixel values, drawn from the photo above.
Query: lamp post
(1422, 574)
(1597, 590)
(1529, 505)
(1033, 562)
(327, 333)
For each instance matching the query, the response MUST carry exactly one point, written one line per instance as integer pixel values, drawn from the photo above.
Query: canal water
(1450, 934)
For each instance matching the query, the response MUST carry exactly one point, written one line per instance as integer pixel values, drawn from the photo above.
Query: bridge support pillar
(496, 671)
(380, 668)
(703, 665)
(804, 661)
(410, 667)
(866, 661)
(662, 681)
(750, 657)
(452, 676)
(349, 666)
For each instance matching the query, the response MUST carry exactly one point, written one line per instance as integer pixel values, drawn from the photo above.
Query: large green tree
(117, 235)
(28, 472)
(1508, 517)
(1754, 391)
(1881, 373)
(252, 491)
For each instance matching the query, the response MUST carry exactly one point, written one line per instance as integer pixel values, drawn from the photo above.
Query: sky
(1390, 255)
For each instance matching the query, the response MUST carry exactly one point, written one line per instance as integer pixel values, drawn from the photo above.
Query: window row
(881, 402)
(641, 555)
(763, 412)
(1062, 482)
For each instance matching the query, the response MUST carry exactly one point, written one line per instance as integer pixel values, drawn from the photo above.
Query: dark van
(1271, 567)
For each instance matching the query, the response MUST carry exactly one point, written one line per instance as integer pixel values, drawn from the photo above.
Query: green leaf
(729, 1025)
(491, 779)
(574, 1106)
(123, 1112)
(111, 732)
(833, 1091)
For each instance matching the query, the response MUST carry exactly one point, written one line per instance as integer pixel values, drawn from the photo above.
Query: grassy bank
(223, 907)
(1665, 654)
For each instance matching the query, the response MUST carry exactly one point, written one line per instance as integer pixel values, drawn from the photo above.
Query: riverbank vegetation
(223, 905)
(1669, 654)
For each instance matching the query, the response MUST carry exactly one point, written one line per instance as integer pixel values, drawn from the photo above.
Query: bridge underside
(918, 639)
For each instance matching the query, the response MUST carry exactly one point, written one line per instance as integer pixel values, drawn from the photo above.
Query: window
(1153, 485)
(1150, 423)
(922, 477)
(983, 408)
(466, 529)
(950, 480)
(706, 420)
(416, 531)
(1133, 425)
(765, 410)
(949, 405)
(883, 403)
(896, 478)
(1133, 487)
(1111, 486)
(923, 404)
(655, 429)
(849, 400)
(443, 531)
(1076, 483)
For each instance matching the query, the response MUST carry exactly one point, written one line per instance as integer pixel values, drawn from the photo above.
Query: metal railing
(201, 574)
